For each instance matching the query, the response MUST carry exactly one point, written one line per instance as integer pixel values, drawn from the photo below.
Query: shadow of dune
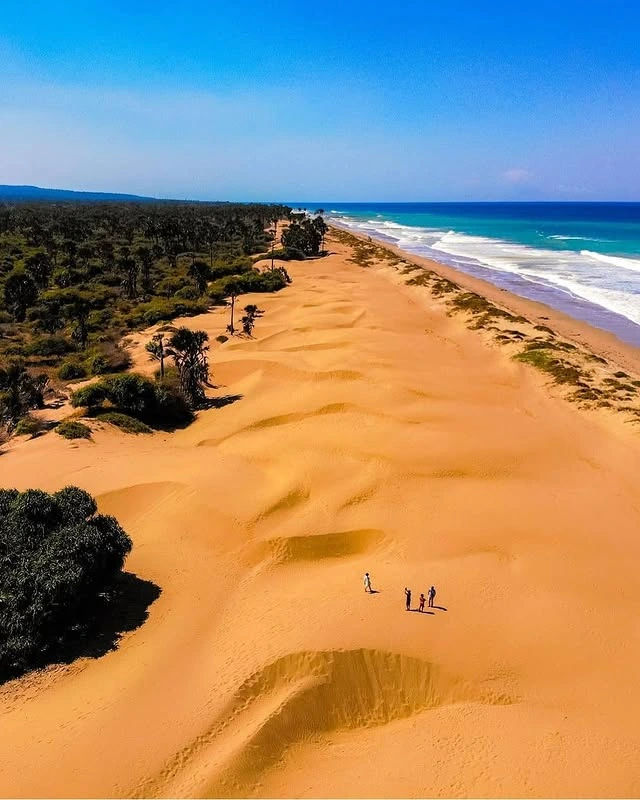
(299, 699)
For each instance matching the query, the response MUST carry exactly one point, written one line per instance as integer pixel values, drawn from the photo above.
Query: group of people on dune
(431, 594)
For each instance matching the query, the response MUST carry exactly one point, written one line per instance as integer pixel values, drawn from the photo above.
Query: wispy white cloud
(517, 176)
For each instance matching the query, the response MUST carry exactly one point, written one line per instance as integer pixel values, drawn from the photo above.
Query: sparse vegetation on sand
(75, 278)
(365, 253)
(594, 384)
(124, 422)
(158, 404)
(72, 429)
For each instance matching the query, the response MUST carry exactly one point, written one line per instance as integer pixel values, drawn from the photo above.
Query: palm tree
(20, 292)
(39, 267)
(71, 250)
(233, 290)
(189, 352)
(249, 320)
(19, 393)
(145, 257)
(273, 241)
(157, 349)
(76, 310)
(129, 267)
(105, 253)
(200, 273)
(85, 254)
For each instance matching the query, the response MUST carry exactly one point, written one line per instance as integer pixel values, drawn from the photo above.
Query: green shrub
(29, 426)
(124, 422)
(158, 309)
(187, 293)
(90, 396)
(108, 357)
(71, 429)
(253, 281)
(49, 346)
(98, 365)
(170, 285)
(157, 404)
(286, 254)
(70, 370)
(222, 338)
(235, 266)
(59, 560)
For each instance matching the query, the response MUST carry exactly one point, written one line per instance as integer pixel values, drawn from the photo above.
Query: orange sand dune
(369, 431)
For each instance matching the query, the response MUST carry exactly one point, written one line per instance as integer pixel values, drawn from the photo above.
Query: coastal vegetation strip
(585, 377)
(77, 278)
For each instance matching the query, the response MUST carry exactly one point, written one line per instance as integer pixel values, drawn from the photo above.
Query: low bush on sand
(71, 429)
(58, 563)
(124, 422)
(560, 371)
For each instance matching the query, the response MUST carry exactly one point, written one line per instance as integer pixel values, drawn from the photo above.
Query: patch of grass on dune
(587, 394)
(124, 422)
(364, 253)
(541, 344)
(420, 280)
(631, 410)
(70, 429)
(443, 286)
(478, 305)
(619, 386)
(560, 371)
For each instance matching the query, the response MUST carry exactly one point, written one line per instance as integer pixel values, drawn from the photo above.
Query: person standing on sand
(367, 582)
(408, 594)
(422, 599)
(432, 596)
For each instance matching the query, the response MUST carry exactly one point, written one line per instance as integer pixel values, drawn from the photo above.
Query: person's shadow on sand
(417, 611)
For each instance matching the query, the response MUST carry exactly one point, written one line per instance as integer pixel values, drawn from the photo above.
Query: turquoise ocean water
(581, 258)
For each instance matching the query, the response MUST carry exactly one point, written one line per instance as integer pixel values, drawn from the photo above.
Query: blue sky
(323, 100)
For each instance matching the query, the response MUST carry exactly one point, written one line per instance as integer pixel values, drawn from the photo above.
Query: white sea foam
(615, 261)
(560, 238)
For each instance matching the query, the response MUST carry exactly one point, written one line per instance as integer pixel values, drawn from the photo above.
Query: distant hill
(17, 193)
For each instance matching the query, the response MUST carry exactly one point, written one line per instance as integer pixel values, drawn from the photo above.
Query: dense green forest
(75, 278)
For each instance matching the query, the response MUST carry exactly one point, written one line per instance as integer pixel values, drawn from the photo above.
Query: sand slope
(367, 432)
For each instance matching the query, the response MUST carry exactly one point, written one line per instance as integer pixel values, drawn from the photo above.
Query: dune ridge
(371, 430)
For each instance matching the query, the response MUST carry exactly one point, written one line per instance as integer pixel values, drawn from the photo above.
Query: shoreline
(550, 293)
(600, 342)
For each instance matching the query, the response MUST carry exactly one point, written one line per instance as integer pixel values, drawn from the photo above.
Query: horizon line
(299, 203)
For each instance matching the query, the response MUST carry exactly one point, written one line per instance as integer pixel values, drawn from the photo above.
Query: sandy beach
(363, 428)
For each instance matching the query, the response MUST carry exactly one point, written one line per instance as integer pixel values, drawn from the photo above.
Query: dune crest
(302, 696)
